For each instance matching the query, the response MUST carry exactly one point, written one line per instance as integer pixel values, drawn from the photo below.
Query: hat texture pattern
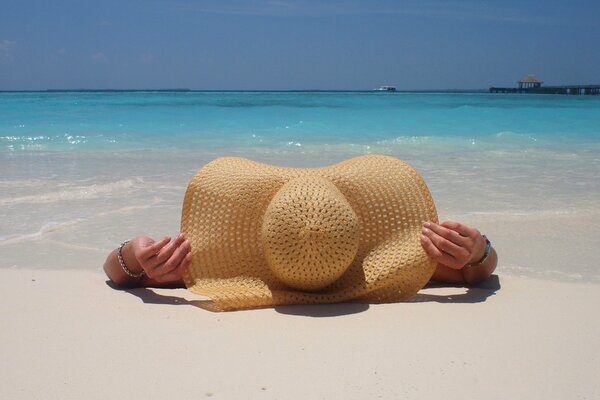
(263, 235)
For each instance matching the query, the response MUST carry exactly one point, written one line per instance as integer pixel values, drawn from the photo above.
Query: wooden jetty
(532, 84)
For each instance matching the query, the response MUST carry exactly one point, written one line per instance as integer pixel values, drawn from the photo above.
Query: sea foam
(73, 193)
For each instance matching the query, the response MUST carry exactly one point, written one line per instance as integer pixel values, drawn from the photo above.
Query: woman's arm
(162, 262)
(453, 245)
(468, 275)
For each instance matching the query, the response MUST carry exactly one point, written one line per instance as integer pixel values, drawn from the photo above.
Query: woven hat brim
(222, 218)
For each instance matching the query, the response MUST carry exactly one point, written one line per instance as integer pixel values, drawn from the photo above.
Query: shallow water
(279, 120)
(83, 171)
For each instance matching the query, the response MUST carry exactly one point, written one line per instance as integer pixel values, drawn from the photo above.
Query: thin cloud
(146, 58)
(6, 44)
(6, 47)
(103, 23)
(457, 10)
(98, 57)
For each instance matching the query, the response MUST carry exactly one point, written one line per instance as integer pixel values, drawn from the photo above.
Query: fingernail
(426, 224)
(422, 238)
(425, 230)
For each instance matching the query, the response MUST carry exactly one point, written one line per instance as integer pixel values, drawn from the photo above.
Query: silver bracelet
(122, 262)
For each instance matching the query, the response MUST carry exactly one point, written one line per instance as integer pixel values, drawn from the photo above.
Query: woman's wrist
(132, 273)
(475, 274)
(482, 255)
(130, 261)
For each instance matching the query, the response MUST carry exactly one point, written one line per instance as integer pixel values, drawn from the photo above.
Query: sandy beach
(68, 335)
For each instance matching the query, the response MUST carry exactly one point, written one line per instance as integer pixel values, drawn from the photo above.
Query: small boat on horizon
(386, 89)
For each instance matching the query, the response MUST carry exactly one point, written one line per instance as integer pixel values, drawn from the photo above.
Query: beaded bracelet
(122, 262)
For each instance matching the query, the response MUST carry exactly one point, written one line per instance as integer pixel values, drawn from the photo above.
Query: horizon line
(234, 90)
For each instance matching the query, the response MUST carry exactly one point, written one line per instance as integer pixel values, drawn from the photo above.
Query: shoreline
(541, 214)
(554, 247)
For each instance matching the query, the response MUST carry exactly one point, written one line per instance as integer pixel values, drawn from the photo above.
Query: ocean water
(81, 171)
(116, 121)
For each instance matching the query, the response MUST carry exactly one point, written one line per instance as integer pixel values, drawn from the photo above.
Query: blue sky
(295, 44)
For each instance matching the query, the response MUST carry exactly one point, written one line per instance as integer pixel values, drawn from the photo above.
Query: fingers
(169, 263)
(443, 238)
(460, 228)
(167, 251)
(177, 273)
(438, 255)
(445, 245)
(176, 258)
(446, 233)
(150, 251)
(473, 241)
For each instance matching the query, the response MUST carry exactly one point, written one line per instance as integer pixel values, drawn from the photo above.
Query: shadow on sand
(475, 294)
(322, 310)
(149, 296)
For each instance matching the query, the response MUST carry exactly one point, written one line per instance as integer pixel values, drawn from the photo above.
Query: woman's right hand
(164, 260)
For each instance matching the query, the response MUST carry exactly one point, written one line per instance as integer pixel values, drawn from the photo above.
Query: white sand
(68, 335)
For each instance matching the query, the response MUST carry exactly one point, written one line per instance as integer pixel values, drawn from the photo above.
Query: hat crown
(310, 233)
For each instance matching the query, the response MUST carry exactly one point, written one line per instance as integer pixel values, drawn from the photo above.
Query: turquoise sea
(116, 121)
(82, 171)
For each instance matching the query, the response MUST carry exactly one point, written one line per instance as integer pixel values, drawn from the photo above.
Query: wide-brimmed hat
(263, 235)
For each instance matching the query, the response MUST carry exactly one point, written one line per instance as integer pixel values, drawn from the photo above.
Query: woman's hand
(452, 244)
(164, 260)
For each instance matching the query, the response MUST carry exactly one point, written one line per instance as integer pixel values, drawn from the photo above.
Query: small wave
(29, 183)
(78, 193)
(50, 226)
(552, 275)
(25, 138)
(513, 136)
(504, 137)
(405, 140)
(39, 142)
(53, 226)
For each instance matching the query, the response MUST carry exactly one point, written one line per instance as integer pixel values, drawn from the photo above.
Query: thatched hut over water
(530, 81)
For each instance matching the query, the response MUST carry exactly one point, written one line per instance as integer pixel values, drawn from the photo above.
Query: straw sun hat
(263, 235)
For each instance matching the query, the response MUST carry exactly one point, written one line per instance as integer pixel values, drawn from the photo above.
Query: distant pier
(593, 90)
(531, 84)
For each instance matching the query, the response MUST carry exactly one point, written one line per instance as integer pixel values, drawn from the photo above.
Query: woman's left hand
(452, 243)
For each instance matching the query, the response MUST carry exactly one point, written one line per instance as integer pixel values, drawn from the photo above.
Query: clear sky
(295, 44)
